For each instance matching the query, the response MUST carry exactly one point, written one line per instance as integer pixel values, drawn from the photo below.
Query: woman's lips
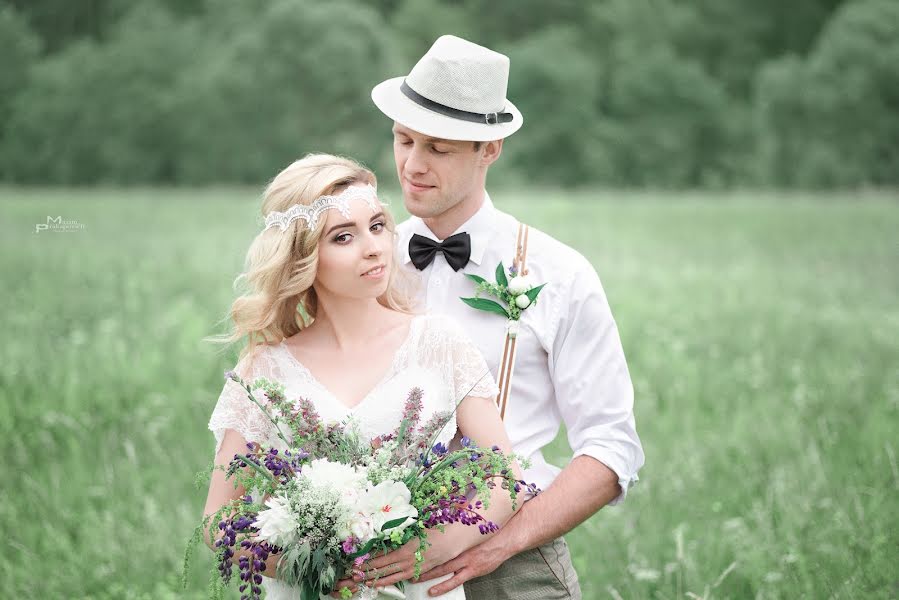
(375, 273)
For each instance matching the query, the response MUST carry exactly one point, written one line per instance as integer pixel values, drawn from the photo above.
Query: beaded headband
(314, 211)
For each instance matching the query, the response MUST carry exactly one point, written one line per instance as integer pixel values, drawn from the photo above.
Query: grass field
(761, 333)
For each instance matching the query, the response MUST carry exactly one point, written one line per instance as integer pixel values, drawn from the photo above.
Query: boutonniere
(515, 291)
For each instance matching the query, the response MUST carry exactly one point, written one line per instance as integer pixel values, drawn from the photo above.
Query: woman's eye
(343, 238)
(436, 151)
(377, 226)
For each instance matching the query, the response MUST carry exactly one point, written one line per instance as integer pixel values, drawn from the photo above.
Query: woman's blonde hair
(281, 265)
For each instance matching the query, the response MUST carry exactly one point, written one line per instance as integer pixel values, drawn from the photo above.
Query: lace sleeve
(234, 409)
(470, 375)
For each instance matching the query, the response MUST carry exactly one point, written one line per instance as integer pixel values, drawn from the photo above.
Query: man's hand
(539, 520)
(474, 562)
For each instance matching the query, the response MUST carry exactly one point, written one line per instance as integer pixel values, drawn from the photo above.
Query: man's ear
(490, 151)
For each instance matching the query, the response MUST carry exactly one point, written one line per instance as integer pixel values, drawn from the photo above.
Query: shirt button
(437, 282)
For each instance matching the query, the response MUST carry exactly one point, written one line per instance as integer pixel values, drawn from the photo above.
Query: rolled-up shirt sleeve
(592, 384)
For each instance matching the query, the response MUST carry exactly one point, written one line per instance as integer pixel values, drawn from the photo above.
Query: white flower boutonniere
(516, 292)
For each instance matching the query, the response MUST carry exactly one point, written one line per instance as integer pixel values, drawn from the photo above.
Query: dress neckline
(387, 376)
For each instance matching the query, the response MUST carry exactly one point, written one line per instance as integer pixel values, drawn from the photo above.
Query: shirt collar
(480, 227)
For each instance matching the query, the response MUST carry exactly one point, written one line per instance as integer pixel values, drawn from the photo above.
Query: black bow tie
(456, 249)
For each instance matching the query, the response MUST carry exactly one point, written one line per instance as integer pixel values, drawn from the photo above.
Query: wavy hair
(281, 266)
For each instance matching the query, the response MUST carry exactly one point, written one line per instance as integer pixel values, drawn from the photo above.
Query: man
(450, 118)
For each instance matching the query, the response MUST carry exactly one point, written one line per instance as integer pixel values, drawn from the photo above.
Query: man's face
(436, 174)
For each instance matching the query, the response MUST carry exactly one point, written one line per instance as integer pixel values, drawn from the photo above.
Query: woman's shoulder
(442, 329)
(257, 360)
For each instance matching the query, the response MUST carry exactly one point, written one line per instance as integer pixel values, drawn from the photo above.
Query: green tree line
(662, 93)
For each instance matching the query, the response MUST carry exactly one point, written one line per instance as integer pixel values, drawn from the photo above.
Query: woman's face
(355, 253)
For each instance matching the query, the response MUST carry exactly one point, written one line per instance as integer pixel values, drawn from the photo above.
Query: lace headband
(314, 211)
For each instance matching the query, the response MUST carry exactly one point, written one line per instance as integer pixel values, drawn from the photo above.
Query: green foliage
(19, 47)
(104, 112)
(417, 23)
(559, 139)
(292, 77)
(660, 107)
(760, 335)
(500, 291)
(487, 305)
(831, 119)
(621, 92)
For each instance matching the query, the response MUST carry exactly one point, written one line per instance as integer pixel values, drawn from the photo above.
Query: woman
(326, 316)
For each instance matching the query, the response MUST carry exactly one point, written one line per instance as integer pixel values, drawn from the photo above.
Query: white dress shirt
(569, 365)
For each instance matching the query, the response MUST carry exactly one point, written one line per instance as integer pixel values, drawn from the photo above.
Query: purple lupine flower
(252, 567)
(277, 466)
(227, 540)
(466, 441)
(532, 488)
(299, 454)
(425, 460)
(244, 522)
(423, 436)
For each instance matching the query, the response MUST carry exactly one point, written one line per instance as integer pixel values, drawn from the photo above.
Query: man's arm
(552, 513)
(540, 520)
(594, 395)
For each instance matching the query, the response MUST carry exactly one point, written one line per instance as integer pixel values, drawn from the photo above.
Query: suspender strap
(507, 364)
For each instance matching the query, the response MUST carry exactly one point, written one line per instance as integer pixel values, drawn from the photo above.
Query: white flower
(326, 474)
(362, 526)
(277, 524)
(522, 301)
(519, 285)
(387, 501)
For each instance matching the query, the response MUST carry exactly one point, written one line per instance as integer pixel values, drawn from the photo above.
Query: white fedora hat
(457, 91)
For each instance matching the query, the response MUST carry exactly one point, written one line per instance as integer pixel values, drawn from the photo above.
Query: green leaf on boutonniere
(488, 305)
(476, 278)
(532, 293)
(501, 275)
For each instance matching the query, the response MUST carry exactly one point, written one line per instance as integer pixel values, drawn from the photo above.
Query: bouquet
(329, 498)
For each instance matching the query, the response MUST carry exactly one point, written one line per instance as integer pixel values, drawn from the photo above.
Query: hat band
(454, 113)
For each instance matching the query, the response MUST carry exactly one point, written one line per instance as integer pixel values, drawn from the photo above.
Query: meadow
(760, 328)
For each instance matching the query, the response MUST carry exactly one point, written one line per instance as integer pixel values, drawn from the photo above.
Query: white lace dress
(436, 356)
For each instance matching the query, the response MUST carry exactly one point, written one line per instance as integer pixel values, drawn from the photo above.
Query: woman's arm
(478, 419)
(222, 491)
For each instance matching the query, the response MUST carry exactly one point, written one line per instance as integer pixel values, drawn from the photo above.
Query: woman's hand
(399, 565)
(389, 567)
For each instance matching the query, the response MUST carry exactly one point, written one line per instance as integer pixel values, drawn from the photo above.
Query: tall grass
(760, 332)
